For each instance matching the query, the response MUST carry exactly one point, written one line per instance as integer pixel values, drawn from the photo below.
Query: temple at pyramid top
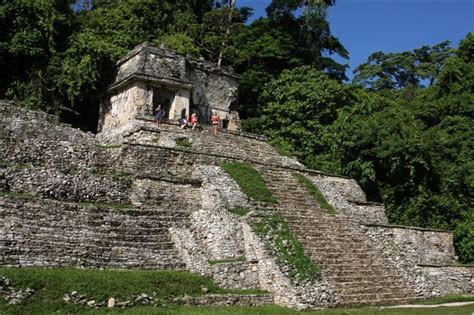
(148, 76)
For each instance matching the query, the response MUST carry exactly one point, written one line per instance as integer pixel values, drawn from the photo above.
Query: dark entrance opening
(163, 96)
(225, 123)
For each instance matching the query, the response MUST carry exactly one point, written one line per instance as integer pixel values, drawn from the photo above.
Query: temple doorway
(163, 96)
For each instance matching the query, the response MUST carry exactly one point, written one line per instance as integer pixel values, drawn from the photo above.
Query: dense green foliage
(400, 70)
(314, 191)
(287, 249)
(250, 181)
(404, 130)
(59, 55)
(410, 147)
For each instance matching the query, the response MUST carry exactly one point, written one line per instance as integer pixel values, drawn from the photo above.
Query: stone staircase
(67, 234)
(224, 144)
(357, 273)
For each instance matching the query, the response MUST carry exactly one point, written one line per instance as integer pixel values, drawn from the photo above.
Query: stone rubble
(11, 295)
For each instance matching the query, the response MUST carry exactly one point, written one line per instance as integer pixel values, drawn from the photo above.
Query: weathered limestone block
(349, 199)
(42, 142)
(450, 279)
(420, 246)
(205, 148)
(236, 275)
(405, 248)
(218, 190)
(40, 232)
(234, 122)
(165, 194)
(80, 186)
(190, 251)
(219, 232)
(226, 300)
(125, 105)
(296, 295)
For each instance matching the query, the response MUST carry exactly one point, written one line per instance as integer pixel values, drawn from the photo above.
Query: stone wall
(405, 248)
(126, 103)
(347, 197)
(54, 184)
(450, 279)
(420, 246)
(227, 300)
(212, 92)
(217, 234)
(39, 232)
(43, 143)
(203, 148)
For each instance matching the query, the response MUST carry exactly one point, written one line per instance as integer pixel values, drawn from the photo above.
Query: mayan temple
(139, 196)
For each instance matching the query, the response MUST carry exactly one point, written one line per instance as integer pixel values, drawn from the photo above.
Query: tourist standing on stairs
(215, 122)
(159, 114)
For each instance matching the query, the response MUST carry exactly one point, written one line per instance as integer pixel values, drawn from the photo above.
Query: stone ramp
(357, 273)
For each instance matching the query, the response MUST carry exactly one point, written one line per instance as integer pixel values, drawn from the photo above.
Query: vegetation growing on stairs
(250, 181)
(183, 142)
(314, 191)
(287, 248)
(240, 211)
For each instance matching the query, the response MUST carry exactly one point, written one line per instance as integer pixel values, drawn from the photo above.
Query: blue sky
(367, 26)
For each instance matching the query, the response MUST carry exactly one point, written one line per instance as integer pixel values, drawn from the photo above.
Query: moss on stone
(183, 142)
(250, 181)
(240, 211)
(314, 191)
(288, 250)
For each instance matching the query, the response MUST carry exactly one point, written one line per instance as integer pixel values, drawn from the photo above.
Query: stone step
(373, 298)
(387, 281)
(333, 238)
(127, 264)
(142, 244)
(374, 301)
(106, 237)
(91, 246)
(356, 278)
(356, 273)
(333, 250)
(147, 238)
(352, 265)
(396, 289)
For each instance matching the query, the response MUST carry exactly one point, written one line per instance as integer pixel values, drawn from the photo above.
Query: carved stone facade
(148, 76)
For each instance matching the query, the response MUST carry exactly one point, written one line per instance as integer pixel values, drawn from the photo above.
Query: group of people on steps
(183, 119)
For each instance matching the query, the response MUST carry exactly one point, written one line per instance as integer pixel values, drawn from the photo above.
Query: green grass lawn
(50, 285)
